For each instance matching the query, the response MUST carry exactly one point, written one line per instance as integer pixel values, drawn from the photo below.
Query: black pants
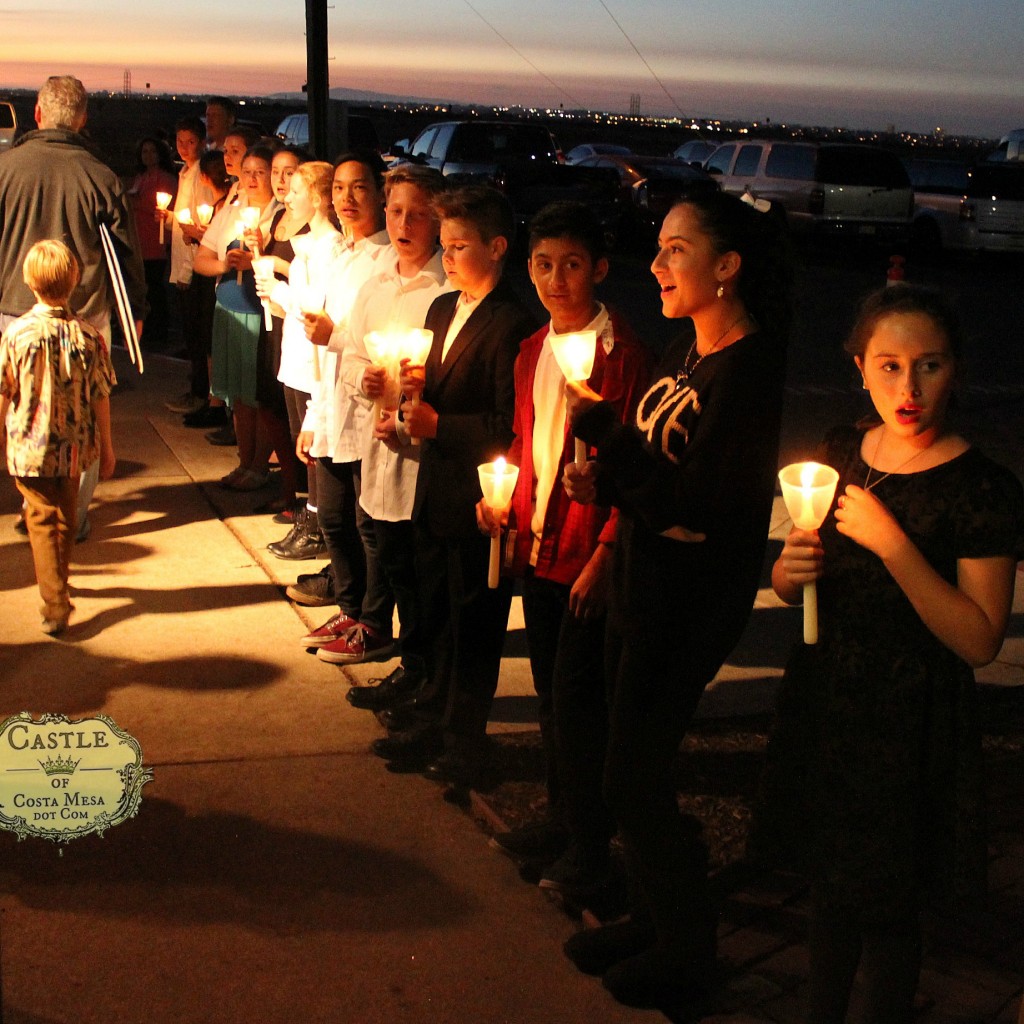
(396, 551)
(295, 403)
(155, 330)
(336, 513)
(567, 662)
(653, 691)
(464, 624)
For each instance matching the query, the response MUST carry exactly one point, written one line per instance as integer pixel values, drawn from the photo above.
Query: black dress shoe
(208, 416)
(389, 691)
(304, 545)
(405, 717)
(417, 745)
(596, 951)
(459, 766)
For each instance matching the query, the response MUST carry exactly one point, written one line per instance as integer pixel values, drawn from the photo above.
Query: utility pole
(317, 81)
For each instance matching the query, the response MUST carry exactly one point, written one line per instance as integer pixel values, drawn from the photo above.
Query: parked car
(822, 190)
(696, 151)
(648, 186)
(520, 159)
(8, 125)
(578, 153)
(361, 134)
(1010, 148)
(480, 149)
(976, 209)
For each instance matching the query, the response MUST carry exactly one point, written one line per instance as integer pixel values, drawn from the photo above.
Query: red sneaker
(360, 643)
(333, 629)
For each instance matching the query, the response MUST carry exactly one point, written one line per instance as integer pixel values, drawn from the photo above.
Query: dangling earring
(721, 290)
(864, 384)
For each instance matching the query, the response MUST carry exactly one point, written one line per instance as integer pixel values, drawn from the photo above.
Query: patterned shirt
(53, 366)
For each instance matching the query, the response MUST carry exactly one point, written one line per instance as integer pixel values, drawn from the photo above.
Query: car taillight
(968, 211)
(816, 201)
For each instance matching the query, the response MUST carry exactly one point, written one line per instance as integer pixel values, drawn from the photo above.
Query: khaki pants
(50, 509)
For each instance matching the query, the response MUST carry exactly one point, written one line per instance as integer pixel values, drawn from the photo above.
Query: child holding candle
(562, 549)
(874, 772)
(155, 175)
(694, 481)
(188, 135)
(464, 418)
(212, 185)
(312, 238)
(408, 278)
(238, 315)
(333, 429)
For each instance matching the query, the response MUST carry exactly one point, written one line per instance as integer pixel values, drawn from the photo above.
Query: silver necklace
(684, 374)
(874, 458)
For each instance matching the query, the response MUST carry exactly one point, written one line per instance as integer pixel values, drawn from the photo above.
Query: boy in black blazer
(464, 412)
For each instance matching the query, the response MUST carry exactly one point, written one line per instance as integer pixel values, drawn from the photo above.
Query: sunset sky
(916, 65)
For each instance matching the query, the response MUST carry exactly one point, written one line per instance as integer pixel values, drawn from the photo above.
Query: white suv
(821, 189)
(976, 209)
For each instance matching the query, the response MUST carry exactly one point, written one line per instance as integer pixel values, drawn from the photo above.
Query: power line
(654, 74)
(572, 99)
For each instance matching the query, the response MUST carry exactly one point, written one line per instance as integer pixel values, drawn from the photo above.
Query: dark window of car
(860, 166)
(943, 177)
(793, 162)
(441, 140)
(6, 115)
(480, 143)
(999, 181)
(421, 147)
(720, 159)
(670, 171)
(747, 161)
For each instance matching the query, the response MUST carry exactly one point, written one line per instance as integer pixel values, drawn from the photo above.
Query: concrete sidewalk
(276, 872)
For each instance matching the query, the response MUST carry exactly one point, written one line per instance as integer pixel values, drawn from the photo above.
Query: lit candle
(415, 346)
(808, 489)
(249, 219)
(383, 347)
(204, 211)
(184, 216)
(163, 200)
(497, 482)
(574, 354)
(263, 271)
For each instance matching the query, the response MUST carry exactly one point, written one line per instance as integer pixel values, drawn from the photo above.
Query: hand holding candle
(497, 482)
(574, 354)
(249, 219)
(383, 348)
(808, 489)
(415, 346)
(163, 201)
(263, 271)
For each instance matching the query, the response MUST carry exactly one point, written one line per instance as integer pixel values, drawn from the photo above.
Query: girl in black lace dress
(874, 771)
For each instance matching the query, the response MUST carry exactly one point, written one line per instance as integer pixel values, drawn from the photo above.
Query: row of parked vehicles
(820, 190)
